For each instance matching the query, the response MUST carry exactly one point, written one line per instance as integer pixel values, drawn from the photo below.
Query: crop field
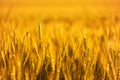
(83, 46)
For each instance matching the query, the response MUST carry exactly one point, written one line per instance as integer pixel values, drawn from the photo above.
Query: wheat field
(59, 48)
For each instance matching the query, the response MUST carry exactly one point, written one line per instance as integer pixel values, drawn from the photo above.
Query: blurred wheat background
(59, 42)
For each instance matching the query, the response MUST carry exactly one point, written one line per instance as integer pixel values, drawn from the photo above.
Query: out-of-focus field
(49, 44)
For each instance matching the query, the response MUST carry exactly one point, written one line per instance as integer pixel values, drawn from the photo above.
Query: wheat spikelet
(112, 67)
(26, 49)
(40, 31)
(118, 68)
(13, 72)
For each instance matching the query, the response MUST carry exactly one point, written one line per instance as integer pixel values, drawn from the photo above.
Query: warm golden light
(58, 2)
(59, 40)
